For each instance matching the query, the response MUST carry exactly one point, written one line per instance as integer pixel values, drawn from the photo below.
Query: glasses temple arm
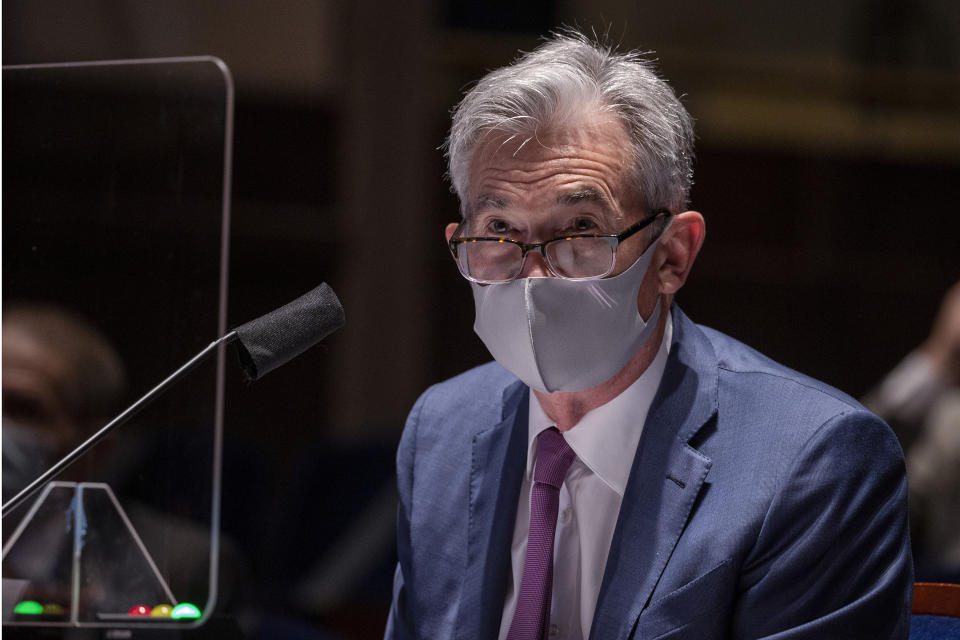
(632, 229)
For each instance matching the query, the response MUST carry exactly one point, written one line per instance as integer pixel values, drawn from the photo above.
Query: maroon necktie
(532, 616)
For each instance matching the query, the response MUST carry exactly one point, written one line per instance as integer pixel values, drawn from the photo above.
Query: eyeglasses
(492, 260)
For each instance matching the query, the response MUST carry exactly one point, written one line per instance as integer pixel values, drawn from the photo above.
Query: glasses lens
(489, 260)
(581, 257)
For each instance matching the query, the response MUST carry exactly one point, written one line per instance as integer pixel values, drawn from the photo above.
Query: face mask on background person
(25, 457)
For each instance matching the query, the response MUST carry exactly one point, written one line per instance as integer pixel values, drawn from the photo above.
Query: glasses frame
(540, 247)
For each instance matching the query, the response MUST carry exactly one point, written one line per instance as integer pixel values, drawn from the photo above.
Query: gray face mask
(565, 335)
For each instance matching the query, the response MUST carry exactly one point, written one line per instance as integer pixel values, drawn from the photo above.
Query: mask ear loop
(654, 318)
(655, 314)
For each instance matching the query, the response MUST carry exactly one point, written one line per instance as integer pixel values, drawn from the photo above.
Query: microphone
(263, 345)
(280, 336)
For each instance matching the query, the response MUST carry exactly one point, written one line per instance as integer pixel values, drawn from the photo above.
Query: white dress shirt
(605, 441)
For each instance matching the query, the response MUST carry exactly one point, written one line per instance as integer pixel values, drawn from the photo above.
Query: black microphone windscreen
(281, 335)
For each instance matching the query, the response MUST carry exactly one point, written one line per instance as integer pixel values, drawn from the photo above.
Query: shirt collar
(606, 438)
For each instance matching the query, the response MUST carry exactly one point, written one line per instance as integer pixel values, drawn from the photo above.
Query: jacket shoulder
(742, 365)
(770, 415)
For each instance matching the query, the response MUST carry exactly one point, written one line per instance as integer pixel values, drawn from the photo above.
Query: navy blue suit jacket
(761, 504)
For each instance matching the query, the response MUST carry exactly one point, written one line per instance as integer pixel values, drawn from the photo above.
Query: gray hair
(564, 77)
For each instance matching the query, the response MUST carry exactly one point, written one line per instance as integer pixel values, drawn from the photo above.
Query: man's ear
(680, 245)
(449, 231)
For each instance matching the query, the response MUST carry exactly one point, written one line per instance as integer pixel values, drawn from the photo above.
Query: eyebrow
(485, 200)
(586, 194)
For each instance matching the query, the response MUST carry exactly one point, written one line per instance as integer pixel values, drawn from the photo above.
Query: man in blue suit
(621, 472)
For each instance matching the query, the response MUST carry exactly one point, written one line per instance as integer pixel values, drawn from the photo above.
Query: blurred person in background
(920, 399)
(62, 380)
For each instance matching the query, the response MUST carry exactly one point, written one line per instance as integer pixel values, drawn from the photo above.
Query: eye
(498, 226)
(584, 225)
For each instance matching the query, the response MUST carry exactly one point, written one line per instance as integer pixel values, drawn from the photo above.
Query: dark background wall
(828, 170)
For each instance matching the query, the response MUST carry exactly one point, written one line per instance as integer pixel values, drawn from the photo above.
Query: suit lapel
(497, 467)
(666, 478)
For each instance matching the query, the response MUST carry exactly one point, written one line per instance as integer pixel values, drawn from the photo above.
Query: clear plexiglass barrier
(116, 183)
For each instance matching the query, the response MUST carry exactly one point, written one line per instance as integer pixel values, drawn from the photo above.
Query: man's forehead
(586, 130)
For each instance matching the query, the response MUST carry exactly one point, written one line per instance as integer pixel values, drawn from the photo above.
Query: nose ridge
(534, 266)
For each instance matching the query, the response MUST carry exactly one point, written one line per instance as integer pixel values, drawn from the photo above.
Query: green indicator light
(185, 610)
(28, 607)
